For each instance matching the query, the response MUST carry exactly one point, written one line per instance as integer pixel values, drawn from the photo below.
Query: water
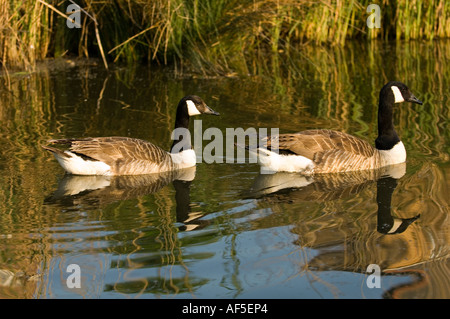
(231, 232)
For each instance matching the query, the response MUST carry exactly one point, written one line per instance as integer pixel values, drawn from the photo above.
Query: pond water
(230, 232)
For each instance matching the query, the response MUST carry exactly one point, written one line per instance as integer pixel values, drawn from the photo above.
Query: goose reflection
(76, 192)
(386, 223)
(292, 188)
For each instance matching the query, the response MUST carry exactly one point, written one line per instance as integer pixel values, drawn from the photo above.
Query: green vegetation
(214, 37)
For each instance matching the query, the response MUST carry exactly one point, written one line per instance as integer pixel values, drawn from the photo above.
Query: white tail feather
(78, 166)
(272, 162)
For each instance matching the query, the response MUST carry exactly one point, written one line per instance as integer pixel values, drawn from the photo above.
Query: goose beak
(210, 111)
(413, 99)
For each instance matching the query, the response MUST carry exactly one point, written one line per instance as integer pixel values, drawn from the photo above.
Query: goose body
(131, 156)
(327, 151)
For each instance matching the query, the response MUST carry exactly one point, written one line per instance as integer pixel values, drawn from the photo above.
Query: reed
(25, 32)
(217, 37)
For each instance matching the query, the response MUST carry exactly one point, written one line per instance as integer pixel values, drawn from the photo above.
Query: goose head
(398, 92)
(188, 106)
(194, 105)
(393, 92)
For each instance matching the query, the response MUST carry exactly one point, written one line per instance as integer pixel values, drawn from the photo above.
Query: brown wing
(315, 144)
(118, 152)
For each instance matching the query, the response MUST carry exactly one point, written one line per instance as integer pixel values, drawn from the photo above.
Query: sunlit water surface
(230, 232)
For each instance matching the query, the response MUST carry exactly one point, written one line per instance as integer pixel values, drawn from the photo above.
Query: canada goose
(327, 151)
(130, 156)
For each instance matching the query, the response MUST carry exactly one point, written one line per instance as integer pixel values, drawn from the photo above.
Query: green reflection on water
(211, 238)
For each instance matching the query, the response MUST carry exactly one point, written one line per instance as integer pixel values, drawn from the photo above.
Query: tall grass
(25, 32)
(211, 37)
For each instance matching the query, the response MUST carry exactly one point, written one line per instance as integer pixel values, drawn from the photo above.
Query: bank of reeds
(211, 37)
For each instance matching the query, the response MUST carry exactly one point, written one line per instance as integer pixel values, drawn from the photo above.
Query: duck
(111, 156)
(319, 151)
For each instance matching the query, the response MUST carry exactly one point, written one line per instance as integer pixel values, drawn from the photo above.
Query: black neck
(385, 189)
(181, 122)
(385, 221)
(387, 136)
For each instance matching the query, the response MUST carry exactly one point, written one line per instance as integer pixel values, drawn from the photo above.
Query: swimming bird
(131, 156)
(327, 151)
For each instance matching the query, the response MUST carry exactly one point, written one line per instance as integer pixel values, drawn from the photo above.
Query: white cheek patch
(397, 94)
(192, 109)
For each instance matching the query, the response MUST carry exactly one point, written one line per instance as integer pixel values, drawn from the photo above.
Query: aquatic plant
(217, 37)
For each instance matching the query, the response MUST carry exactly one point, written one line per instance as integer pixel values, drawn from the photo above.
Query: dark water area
(230, 232)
